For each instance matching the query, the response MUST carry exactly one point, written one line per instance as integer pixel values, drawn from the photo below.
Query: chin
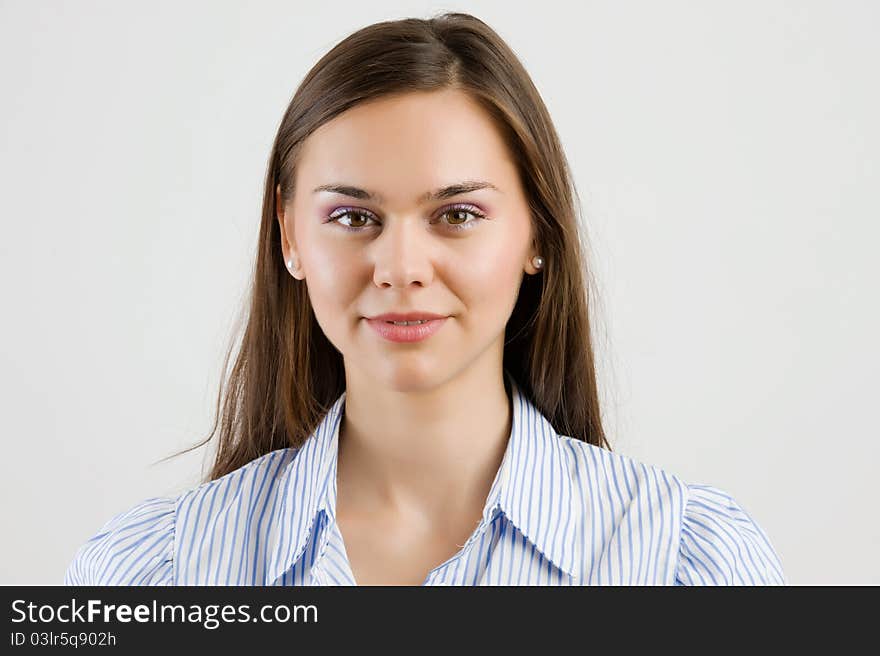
(410, 376)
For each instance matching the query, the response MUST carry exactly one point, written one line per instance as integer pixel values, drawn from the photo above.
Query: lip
(415, 333)
(406, 316)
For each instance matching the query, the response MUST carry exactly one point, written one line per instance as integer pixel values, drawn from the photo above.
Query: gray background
(726, 154)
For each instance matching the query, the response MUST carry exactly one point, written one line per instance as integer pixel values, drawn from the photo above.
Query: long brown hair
(287, 374)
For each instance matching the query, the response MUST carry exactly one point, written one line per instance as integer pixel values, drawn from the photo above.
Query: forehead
(403, 145)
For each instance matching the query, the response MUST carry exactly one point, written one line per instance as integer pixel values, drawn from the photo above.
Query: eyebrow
(438, 194)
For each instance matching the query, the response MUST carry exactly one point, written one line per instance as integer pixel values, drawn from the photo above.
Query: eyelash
(470, 209)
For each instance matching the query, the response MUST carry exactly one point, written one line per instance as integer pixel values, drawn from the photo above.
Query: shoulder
(156, 541)
(241, 488)
(132, 548)
(223, 526)
(612, 475)
(723, 544)
(713, 540)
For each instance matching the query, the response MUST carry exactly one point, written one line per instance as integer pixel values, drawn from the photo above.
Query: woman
(415, 400)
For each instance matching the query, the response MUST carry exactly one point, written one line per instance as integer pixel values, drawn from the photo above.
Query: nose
(402, 254)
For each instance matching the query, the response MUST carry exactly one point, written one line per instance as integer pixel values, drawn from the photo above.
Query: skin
(426, 424)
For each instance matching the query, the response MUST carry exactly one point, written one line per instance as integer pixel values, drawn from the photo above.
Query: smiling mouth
(406, 331)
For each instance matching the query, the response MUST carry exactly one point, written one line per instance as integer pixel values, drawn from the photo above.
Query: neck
(433, 452)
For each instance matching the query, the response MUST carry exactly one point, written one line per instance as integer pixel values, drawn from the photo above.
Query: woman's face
(393, 248)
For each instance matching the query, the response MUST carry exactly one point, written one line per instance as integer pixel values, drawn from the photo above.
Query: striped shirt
(559, 512)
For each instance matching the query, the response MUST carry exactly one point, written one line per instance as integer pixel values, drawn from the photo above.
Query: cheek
(332, 280)
(489, 283)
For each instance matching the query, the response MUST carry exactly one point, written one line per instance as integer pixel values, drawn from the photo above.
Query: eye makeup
(466, 208)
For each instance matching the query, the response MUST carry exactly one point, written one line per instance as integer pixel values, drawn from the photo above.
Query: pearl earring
(538, 261)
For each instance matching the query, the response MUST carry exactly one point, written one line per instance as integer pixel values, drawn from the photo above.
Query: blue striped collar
(533, 488)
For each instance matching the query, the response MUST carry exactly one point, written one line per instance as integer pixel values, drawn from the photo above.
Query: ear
(288, 246)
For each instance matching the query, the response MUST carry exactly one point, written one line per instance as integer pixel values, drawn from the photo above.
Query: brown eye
(357, 220)
(354, 222)
(459, 216)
